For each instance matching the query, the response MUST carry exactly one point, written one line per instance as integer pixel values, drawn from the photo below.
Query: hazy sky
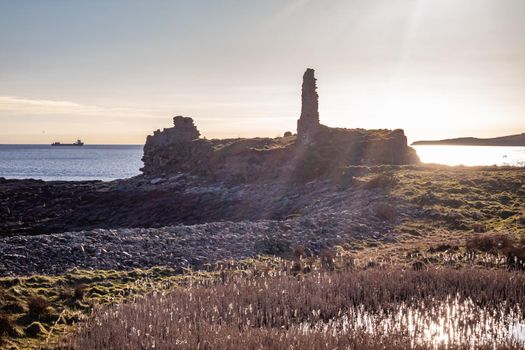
(112, 71)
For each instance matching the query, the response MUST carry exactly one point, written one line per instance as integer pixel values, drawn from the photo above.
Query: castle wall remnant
(178, 148)
(183, 130)
(308, 123)
(316, 150)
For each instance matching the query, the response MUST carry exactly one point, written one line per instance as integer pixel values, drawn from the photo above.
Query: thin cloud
(14, 105)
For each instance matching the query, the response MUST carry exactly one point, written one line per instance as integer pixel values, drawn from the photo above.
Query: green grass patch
(37, 310)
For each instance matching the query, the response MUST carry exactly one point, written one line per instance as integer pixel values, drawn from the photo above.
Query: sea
(472, 155)
(70, 163)
(110, 162)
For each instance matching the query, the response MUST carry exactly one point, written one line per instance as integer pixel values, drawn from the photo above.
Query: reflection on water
(453, 322)
(471, 155)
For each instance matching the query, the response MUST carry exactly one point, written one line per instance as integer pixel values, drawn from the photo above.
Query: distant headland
(511, 140)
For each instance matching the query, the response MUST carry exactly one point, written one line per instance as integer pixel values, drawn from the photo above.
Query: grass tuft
(35, 329)
(38, 307)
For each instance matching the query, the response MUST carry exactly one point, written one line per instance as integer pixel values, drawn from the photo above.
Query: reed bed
(377, 308)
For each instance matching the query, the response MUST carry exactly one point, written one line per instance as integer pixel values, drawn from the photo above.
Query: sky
(112, 71)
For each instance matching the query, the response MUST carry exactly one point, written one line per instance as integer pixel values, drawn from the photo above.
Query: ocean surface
(472, 155)
(90, 162)
(109, 162)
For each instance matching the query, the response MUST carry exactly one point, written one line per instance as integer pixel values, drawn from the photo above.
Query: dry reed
(371, 309)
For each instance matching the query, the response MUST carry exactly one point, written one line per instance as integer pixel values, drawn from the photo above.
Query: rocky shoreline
(37, 207)
(317, 216)
(173, 246)
(185, 220)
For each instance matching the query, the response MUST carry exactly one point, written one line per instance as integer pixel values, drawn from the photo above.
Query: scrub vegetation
(330, 306)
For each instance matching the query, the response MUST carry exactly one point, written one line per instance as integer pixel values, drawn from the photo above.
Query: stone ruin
(308, 123)
(316, 150)
(183, 130)
(172, 149)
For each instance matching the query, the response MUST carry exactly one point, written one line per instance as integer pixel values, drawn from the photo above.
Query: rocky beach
(231, 222)
(378, 204)
(299, 189)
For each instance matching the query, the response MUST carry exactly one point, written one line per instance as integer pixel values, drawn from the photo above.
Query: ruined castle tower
(308, 123)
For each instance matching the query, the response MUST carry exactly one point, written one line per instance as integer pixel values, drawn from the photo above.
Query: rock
(477, 215)
(15, 256)
(505, 214)
(157, 180)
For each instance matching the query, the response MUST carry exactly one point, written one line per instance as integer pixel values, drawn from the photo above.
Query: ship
(78, 143)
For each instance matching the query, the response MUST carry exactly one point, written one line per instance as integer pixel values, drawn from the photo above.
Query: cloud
(234, 105)
(14, 105)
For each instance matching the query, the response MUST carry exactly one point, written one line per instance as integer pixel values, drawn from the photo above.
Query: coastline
(383, 204)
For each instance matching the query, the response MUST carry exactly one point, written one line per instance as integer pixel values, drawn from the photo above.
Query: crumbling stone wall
(316, 151)
(176, 149)
(308, 123)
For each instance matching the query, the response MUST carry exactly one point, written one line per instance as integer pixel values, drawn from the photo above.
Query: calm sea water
(102, 162)
(472, 155)
(93, 162)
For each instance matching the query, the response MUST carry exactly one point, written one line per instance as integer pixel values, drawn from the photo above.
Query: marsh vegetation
(373, 308)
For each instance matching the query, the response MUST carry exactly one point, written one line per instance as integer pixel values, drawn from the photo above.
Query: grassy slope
(458, 204)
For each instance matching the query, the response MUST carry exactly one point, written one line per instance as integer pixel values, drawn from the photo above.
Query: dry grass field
(374, 308)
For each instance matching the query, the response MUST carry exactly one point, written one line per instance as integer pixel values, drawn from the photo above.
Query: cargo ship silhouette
(78, 143)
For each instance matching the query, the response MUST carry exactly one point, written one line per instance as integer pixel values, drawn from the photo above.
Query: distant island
(511, 140)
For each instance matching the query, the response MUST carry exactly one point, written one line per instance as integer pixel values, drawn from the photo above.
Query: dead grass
(500, 244)
(495, 243)
(385, 212)
(278, 310)
(38, 306)
(381, 181)
(6, 327)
